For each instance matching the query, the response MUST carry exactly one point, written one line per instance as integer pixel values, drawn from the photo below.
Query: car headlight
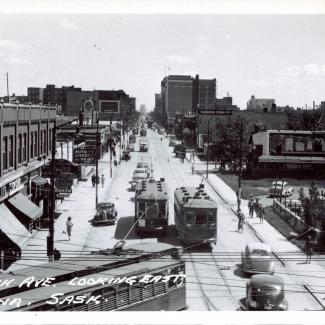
(252, 303)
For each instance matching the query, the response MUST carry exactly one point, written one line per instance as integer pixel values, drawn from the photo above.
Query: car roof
(140, 169)
(142, 163)
(279, 183)
(261, 246)
(266, 279)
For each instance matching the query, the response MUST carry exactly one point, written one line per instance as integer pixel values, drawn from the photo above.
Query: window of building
(32, 144)
(5, 151)
(35, 144)
(24, 148)
(202, 93)
(19, 143)
(210, 101)
(11, 151)
(211, 94)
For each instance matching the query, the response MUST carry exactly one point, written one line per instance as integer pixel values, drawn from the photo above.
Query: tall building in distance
(143, 109)
(158, 104)
(186, 94)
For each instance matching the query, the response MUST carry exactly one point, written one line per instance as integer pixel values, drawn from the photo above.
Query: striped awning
(12, 227)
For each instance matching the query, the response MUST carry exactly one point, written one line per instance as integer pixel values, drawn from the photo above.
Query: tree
(303, 120)
(226, 143)
(314, 211)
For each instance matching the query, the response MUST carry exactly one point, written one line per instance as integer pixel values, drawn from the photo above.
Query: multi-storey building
(260, 104)
(26, 133)
(143, 109)
(158, 104)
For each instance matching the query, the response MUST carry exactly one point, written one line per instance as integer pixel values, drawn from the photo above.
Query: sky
(267, 53)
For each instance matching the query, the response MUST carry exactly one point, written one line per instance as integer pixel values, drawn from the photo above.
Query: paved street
(214, 278)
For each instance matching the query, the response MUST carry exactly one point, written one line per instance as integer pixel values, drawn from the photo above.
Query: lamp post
(110, 145)
(207, 172)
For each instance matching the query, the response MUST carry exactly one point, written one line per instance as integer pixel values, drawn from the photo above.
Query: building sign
(64, 190)
(84, 156)
(109, 106)
(60, 166)
(215, 112)
(61, 196)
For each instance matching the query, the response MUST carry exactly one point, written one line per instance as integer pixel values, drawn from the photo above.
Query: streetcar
(151, 207)
(195, 215)
(120, 279)
(143, 132)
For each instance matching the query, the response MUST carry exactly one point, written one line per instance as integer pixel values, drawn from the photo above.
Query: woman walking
(102, 180)
(309, 249)
(69, 227)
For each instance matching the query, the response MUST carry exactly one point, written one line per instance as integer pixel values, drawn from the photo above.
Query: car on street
(265, 292)
(105, 214)
(130, 147)
(138, 177)
(172, 143)
(257, 258)
(145, 165)
(141, 171)
(280, 188)
(126, 155)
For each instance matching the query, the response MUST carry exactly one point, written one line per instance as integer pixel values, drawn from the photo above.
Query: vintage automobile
(172, 143)
(257, 258)
(130, 147)
(275, 190)
(126, 155)
(105, 214)
(144, 165)
(265, 292)
(136, 178)
(142, 171)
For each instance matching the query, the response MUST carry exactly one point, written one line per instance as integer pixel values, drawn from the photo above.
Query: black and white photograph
(160, 157)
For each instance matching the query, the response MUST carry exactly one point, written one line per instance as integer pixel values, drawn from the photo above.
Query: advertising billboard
(109, 106)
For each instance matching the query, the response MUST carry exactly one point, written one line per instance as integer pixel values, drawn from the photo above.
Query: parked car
(105, 214)
(276, 188)
(126, 155)
(172, 143)
(265, 292)
(130, 147)
(257, 258)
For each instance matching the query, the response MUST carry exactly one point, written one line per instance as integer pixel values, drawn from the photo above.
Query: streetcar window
(211, 219)
(201, 220)
(190, 219)
(151, 211)
(162, 210)
(123, 294)
(46, 307)
(142, 209)
(135, 292)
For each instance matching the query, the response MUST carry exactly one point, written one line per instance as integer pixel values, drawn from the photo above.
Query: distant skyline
(269, 56)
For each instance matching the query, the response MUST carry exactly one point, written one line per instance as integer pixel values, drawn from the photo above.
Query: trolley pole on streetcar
(240, 165)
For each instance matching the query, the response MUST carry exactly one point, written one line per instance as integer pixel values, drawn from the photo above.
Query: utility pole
(240, 165)
(97, 157)
(207, 175)
(110, 145)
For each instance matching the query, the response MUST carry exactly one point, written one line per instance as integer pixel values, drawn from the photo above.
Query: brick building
(26, 133)
(260, 104)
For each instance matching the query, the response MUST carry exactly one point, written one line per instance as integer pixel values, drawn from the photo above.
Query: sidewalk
(291, 256)
(81, 207)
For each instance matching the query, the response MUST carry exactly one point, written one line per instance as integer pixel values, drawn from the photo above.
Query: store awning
(27, 207)
(38, 181)
(12, 227)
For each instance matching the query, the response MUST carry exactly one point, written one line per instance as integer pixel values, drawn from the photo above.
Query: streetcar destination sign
(84, 156)
(215, 112)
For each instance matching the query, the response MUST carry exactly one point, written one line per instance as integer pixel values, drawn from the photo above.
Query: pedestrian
(56, 254)
(98, 180)
(102, 180)
(93, 180)
(256, 205)
(193, 169)
(115, 163)
(309, 249)
(69, 227)
(251, 206)
(261, 212)
(241, 218)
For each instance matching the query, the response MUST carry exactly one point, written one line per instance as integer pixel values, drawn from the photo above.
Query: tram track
(209, 304)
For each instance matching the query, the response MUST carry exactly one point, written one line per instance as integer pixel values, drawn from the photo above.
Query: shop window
(24, 148)
(19, 143)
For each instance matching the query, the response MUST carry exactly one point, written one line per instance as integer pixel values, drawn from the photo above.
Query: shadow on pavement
(239, 272)
(171, 237)
(242, 302)
(123, 226)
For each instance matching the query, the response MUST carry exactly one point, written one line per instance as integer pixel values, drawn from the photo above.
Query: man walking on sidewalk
(251, 206)
(69, 227)
(102, 180)
(93, 180)
(261, 212)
